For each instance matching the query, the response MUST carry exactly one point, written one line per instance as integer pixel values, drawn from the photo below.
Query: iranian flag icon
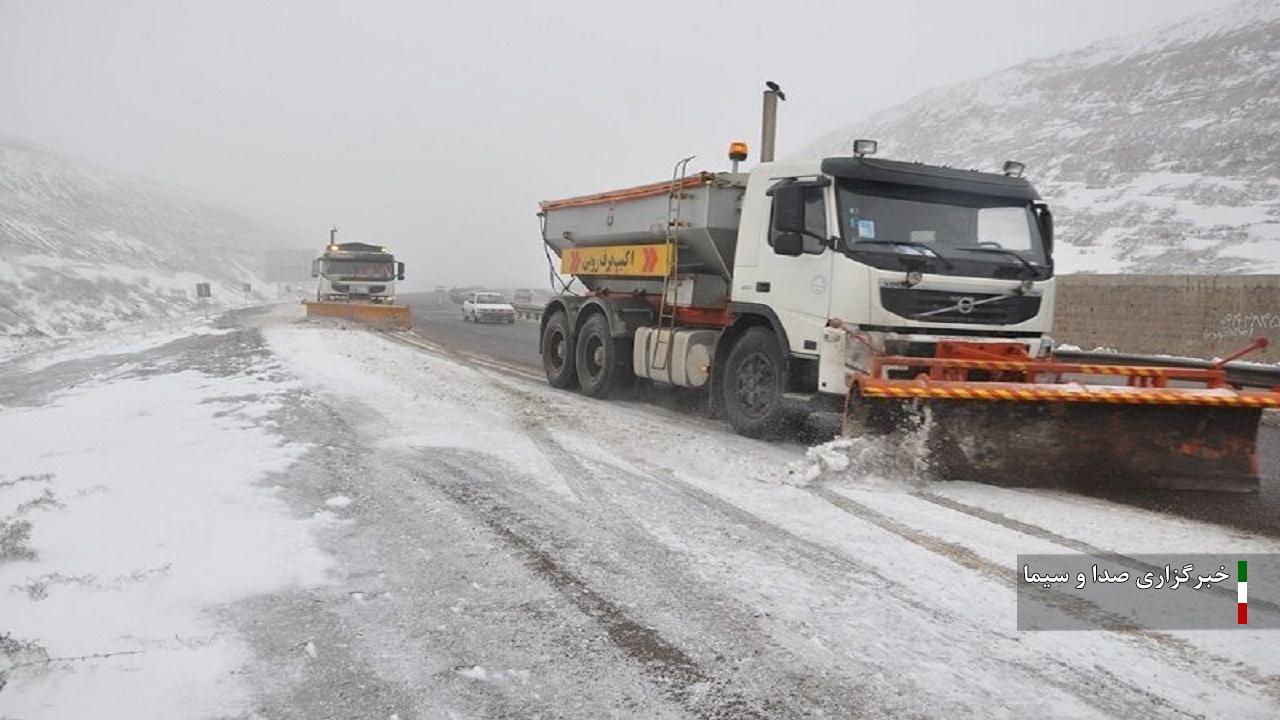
(1242, 592)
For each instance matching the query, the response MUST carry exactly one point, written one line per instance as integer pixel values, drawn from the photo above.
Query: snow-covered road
(299, 520)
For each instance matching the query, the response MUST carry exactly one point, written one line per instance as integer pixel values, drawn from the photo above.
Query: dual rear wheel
(751, 390)
(594, 361)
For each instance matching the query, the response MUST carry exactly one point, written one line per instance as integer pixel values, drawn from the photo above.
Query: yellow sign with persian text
(617, 260)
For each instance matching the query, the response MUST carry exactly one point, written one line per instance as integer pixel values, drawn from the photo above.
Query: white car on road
(487, 307)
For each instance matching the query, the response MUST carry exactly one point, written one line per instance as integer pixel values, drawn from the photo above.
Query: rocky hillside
(1159, 151)
(82, 249)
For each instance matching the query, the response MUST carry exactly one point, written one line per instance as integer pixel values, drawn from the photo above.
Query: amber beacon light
(737, 153)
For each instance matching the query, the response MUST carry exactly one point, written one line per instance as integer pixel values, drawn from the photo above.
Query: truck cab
(356, 272)
(901, 255)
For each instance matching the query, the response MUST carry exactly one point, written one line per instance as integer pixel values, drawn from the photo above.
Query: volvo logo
(964, 305)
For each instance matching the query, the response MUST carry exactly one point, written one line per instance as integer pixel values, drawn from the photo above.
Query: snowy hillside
(1159, 150)
(81, 249)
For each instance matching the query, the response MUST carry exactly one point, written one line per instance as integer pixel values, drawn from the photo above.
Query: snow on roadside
(131, 510)
(133, 338)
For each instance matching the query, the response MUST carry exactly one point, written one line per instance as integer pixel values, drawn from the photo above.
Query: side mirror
(788, 243)
(1045, 218)
(315, 268)
(399, 271)
(788, 209)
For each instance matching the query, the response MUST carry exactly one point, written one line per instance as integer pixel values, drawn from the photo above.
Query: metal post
(769, 123)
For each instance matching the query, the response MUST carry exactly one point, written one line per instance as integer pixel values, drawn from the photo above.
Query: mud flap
(1030, 444)
(393, 316)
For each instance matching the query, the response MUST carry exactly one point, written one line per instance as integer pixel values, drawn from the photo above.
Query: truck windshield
(360, 269)
(972, 233)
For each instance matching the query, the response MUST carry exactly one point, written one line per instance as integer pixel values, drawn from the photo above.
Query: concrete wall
(1194, 315)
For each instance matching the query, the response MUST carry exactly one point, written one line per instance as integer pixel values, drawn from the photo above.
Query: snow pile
(1156, 150)
(900, 460)
(130, 510)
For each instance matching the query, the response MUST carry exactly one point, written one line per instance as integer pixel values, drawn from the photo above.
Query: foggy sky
(435, 128)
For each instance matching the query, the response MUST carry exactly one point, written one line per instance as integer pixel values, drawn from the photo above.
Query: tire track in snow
(723, 611)
(533, 414)
(675, 672)
(819, 560)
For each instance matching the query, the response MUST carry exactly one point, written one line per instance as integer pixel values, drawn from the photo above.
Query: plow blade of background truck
(396, 316)
(1054, 444)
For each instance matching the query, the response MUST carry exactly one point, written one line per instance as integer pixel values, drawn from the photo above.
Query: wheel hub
(594, 356)
(557, 350)
(755, 384)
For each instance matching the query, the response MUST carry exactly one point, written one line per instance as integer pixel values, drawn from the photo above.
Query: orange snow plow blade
(992, 414)
(395, 316)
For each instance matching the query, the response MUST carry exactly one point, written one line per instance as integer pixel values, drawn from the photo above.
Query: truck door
(798, 288)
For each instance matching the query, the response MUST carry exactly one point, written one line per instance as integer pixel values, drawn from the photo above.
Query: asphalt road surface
(518, 345)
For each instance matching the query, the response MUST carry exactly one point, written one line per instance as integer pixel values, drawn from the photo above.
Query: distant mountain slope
(82, 249)
(1161, 152)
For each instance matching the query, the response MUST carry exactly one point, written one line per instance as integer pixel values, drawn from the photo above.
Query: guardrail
(1238, 373)
(528, 311)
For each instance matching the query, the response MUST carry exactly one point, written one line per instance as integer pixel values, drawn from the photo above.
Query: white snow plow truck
(357, 281)
(893, 291)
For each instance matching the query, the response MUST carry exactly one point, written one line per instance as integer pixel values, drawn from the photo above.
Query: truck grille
(368, 289)
(909, 302)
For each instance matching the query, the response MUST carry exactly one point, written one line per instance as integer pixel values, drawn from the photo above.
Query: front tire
(604, 361)
(755, 379)
(558, 353)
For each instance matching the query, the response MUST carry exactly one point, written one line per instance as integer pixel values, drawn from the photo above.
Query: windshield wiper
(1035, 271)
(920, 246)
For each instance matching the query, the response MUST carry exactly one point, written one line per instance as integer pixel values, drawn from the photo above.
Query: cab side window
(815, 221)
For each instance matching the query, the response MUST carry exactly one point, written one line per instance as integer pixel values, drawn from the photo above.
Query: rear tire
(755, 379)
(558, 353)
(604, 361)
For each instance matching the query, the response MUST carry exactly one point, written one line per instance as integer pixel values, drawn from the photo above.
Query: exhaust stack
(769, 123)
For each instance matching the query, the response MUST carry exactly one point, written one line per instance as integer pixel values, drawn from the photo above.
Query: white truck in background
(357, 281)
(356, 272)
